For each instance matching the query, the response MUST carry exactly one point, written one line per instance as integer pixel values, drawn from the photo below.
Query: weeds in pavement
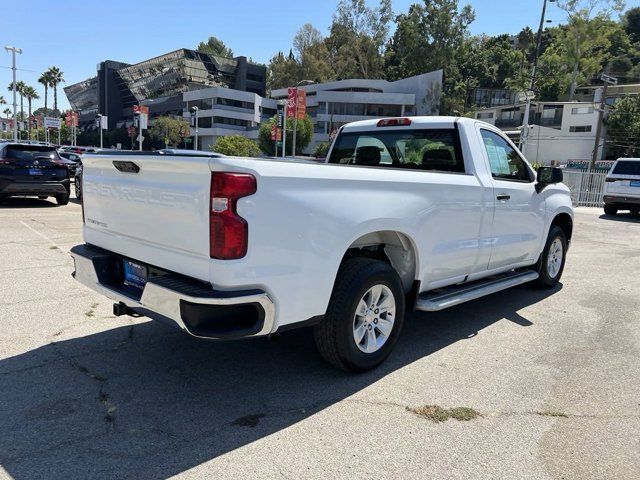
(438, 414)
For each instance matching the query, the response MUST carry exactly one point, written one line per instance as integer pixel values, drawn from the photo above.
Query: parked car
(622, 187)
(77, 182)
(33, 170)
(71, 160)
(408, 213)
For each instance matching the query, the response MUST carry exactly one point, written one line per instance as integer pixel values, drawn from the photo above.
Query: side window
(505, 162)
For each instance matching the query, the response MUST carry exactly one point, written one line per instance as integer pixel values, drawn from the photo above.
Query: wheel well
(395, 248)
(564, 221)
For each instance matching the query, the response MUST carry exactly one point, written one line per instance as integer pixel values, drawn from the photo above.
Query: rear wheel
(610, 209)
(62, 199)
(635, 211)
(364, 317)
(551, 263)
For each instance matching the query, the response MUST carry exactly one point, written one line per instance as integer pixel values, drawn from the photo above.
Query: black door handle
(503, 197)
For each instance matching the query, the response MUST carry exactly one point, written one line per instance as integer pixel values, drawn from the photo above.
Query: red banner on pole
(141, 109)
(301, 104)
(292, 93)
(274, 132)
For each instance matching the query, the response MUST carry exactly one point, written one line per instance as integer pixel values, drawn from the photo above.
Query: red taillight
(229, 232)
(394, 122)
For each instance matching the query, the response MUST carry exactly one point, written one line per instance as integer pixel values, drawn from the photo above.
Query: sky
(76, 35)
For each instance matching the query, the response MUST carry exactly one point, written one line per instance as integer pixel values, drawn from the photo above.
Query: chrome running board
(448, 297)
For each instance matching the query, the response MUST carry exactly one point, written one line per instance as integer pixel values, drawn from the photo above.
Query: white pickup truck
(418, 213)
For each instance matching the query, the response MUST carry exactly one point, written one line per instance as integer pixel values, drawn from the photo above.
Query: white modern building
(225, 111)
(559, 132)
(332, 104)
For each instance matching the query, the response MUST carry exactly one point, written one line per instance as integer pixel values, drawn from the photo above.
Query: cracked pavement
(555, 376)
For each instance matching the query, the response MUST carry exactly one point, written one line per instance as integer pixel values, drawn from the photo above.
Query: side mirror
(548, 176)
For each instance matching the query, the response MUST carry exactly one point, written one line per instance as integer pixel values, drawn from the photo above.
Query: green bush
(304, 133)
(236, 146)
(321, 150)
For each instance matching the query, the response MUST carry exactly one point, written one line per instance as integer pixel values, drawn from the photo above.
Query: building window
(483, 115)
(231, 121)
(581, 110)
(580, 128)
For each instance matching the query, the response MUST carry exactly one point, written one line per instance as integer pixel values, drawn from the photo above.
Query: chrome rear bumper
(189, 304)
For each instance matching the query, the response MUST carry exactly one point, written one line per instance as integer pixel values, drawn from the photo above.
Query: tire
(358, 280)
(42, 197)
(549, 277)
(77, 188)
(62, 199)
(635, 212)
(610, 209)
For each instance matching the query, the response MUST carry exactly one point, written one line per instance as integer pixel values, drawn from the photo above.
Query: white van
(622, 187)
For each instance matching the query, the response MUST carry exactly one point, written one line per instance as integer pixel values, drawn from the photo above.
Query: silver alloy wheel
(554, 259)
(374, 318)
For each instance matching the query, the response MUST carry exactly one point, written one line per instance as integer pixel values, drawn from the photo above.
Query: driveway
(554, 376)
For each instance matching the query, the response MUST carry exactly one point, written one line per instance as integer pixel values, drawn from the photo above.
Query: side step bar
(448, 297)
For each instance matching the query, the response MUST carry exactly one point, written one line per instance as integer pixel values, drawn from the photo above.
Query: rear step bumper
(189, 304)
(450, 296)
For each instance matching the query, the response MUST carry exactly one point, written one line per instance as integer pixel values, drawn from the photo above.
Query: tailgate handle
(126, 166)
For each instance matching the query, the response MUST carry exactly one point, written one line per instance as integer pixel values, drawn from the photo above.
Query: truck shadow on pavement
(621, 217)
(149, 402)
(27, 202)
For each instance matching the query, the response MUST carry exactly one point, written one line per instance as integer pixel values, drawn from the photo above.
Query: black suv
(33, 170)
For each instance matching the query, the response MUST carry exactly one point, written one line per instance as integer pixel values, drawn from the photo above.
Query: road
(554, 375)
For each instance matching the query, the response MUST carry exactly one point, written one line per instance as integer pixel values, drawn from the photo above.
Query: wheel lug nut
(376, 311)
(375, 321)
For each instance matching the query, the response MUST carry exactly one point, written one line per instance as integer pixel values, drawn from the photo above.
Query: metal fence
(586, 188)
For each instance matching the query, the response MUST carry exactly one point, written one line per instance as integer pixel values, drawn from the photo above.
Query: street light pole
(13, 51)
(295, 125)
(525, 123)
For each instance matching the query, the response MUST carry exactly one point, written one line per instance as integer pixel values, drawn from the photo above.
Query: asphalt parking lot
(554, 375)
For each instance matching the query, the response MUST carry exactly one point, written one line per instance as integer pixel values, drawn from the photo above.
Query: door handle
(503, 197)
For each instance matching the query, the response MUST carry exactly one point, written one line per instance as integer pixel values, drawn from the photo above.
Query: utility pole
(13, 51)
(529, 95)
(608, 80)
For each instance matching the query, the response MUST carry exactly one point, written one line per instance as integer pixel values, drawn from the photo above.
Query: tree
(283, 71)
(631, 21)
(431, 36)
(30, 94)
(584, 38)
(623, 127)
(215, 46)
(358, 34)
(236, 146)
(169, 130)
(45, 80)
(55, 78)
(304, 132)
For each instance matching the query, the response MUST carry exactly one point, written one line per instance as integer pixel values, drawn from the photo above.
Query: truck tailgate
(153, 208)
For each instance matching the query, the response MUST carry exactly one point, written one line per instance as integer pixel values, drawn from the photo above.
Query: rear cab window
(29, 153)
(436, 150)
(627, 167)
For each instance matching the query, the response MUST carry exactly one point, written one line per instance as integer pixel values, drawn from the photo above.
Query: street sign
(50, 122)
(143, 121)
(609, 79)
(104, 122)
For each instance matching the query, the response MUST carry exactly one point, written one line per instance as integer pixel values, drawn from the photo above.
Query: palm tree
(55, 78)
(20, 86)
(31, 94)
(7, 113)
(45, 80)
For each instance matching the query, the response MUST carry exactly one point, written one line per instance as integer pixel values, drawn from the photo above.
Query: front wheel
(62, 199)
(364, 317)
(77, 188)
(551, 263)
